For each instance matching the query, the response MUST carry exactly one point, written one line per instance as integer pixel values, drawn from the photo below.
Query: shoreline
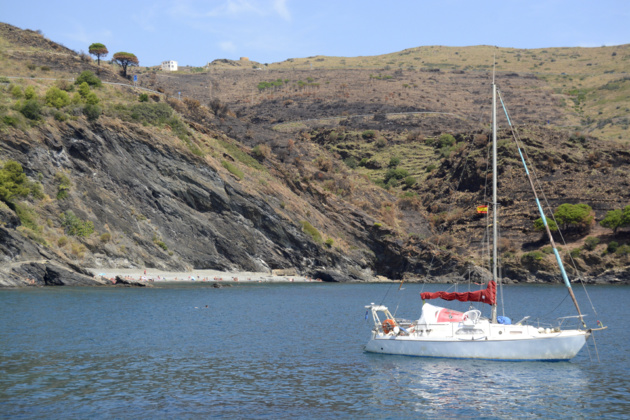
(151, 275)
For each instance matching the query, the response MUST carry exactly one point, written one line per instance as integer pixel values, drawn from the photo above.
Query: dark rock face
(8, 218)
(25, 264)
(143, 190)
(119, 281)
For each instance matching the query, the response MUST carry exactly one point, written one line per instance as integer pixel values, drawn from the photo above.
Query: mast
(494, 192)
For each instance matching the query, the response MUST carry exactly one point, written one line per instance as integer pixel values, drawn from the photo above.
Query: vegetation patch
(13, 182)
(89, 78)
(64, 185)
(273, 84)
(237, 153)
(74, 226)
(27, 217)
(233, 169)
(311, 231)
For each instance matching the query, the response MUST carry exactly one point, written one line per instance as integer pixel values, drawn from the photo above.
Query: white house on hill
(169, 65)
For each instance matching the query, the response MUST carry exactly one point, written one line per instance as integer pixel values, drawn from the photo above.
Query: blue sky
(194, 32)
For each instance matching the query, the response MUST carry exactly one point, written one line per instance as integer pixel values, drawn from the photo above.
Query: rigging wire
(520, 145)
(557, 306)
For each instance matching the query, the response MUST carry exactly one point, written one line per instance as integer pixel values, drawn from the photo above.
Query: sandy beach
(155, 275)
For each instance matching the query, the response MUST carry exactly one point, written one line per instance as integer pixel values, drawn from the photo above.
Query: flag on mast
(482, 209)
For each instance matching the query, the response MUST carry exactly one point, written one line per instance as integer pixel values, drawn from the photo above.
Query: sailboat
(442, 332)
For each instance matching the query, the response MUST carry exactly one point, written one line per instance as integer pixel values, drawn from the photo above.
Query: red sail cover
(489, 295)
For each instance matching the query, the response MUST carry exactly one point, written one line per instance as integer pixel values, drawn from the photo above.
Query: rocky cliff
(216, 182)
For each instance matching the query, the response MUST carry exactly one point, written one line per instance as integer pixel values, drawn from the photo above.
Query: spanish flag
(482, 209)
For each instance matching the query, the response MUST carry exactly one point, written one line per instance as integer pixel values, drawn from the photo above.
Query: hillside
(242, 173)
(590, 86)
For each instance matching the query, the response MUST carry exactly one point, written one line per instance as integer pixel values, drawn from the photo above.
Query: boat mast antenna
(495, 218)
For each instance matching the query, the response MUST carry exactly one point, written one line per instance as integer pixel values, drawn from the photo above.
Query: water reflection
(460, 388)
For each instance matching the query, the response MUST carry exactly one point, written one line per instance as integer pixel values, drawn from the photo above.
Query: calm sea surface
(285, 351)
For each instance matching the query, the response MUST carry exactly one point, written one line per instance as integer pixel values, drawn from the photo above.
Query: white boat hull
(559, 346)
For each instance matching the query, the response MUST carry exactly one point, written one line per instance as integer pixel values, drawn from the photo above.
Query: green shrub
(531, 257)
(27, 217)
(539, 225)
(394, 162)
(380, 142)
(410, 181)
(60, 116)
(395, 174)
(392, 182)
(16, 92)
(233, 169)
(154, 114)
(311, 231)
(575, 252)
(351, 162)
(591, 243)
(64, 185)
(31, 110)
(266, 85)
(623, 250)
(89, 78)
(30, 93)
(13, 182)
(84, 90)
(431, 167)
(446, 143)
(57, 98)
(617, 218)
(92, 112)
(445, 140)
(612, 246)
(62, 241)
(37, 191)
(178, 127)
(106, 237)
(143, 97)
(368, 134)
(364, 161)
(92, 99)
(74, 226)
(576, 215)
(329, 242)
(11, 120)
(612, 220)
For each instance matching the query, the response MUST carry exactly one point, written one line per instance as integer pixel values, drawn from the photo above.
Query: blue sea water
(276, 351)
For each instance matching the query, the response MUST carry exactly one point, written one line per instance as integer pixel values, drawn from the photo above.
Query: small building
(169, 65)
